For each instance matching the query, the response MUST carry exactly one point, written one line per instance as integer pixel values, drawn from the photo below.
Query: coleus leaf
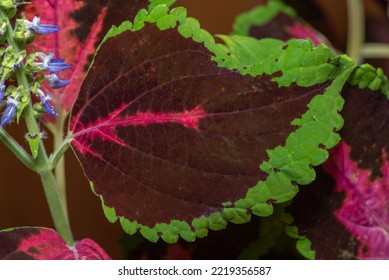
(365, 115)
(359, 169)
(174, 150)
(28, 243)
(360, 165)
(275, 20)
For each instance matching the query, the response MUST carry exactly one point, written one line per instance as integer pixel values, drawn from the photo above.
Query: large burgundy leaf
(176, 150)
(45, 244)
(188, 140)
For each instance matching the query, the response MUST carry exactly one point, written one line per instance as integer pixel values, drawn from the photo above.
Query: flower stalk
(19, 104)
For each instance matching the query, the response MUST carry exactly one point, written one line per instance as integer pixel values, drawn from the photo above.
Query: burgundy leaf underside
(45, 244)
(164, 133)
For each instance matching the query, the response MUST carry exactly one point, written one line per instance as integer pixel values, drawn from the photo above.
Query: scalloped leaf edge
(280, 185)
(367, 76)
(260, 15)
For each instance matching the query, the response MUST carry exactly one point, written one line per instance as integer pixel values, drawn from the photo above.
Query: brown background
(22, 201)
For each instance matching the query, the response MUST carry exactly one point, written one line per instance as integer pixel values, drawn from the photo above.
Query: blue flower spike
(56, 82)
(37, 27)
(10, 111)
(45, 103)
(50, 63)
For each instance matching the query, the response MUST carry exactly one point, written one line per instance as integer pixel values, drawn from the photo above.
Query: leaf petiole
(57, 155)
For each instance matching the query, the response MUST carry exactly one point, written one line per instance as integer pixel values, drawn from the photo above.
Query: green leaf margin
(367, 76)
(260, 15)
(287, 165)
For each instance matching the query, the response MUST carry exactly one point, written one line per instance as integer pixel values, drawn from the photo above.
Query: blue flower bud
(52, 64)
(56, 82)
(46, 105)
(9, 112)
(39, 28)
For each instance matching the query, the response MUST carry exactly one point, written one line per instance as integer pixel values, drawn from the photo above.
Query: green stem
(16, 149)
(60, 220)
(57, 209)
(60, 146)
(356, 28)
(57, 155)
(375, 50)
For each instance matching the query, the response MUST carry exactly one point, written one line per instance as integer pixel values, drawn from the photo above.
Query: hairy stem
(356, 28)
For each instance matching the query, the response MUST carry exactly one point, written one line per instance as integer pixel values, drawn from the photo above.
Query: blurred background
(22, 201)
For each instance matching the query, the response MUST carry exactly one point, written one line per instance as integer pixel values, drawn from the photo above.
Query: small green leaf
(33, 141)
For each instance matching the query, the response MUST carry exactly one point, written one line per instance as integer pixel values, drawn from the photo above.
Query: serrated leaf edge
(366, 76)
(260, 15)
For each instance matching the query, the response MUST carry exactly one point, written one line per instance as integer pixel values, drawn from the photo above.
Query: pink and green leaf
(33, 243)
(358, 169)
(360, 165)
(174, 150)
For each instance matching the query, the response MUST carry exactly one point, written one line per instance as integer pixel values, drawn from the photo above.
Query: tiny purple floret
(52, 64)
(37, 27)
(9, 112)
(46, 105)
(56, 82)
